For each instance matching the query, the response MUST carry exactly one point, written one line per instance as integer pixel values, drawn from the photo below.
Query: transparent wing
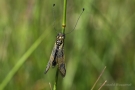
(61, 62)
(52, 61)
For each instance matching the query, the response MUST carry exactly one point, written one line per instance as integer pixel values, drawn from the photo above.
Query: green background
(104, 36)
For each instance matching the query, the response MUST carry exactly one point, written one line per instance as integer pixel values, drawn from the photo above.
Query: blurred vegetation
(103, 37)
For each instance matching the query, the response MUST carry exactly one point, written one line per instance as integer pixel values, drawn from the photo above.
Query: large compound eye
(60, 37)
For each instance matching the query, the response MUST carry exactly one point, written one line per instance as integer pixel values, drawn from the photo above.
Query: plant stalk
(64, 16)
(63, 31)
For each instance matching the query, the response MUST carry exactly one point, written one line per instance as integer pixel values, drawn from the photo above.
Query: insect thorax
(60, 39)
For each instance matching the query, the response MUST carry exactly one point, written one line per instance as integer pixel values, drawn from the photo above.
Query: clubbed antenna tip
(83, 9)
(53, 5)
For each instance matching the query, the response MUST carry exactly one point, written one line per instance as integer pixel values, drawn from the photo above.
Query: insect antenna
(54, 19)
(76, 21)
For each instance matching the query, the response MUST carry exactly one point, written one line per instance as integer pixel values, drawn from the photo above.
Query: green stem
(56, 79)
(63, 31)
(64, 16)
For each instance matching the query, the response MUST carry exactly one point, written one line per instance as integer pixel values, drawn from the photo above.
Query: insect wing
(61, 62)
(52, 61)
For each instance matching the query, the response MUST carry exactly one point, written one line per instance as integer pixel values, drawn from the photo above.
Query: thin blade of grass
(98, 78)
(50, 85)
(102, 84)
(21, 61)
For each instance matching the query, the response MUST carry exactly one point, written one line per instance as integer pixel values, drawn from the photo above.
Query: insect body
(57, 55)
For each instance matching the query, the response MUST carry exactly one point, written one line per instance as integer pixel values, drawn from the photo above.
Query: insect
(57, 55)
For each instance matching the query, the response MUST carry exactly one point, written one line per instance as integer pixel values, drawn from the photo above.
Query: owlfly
(57, 55)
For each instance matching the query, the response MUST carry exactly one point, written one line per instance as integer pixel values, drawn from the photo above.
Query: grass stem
(63, 31)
